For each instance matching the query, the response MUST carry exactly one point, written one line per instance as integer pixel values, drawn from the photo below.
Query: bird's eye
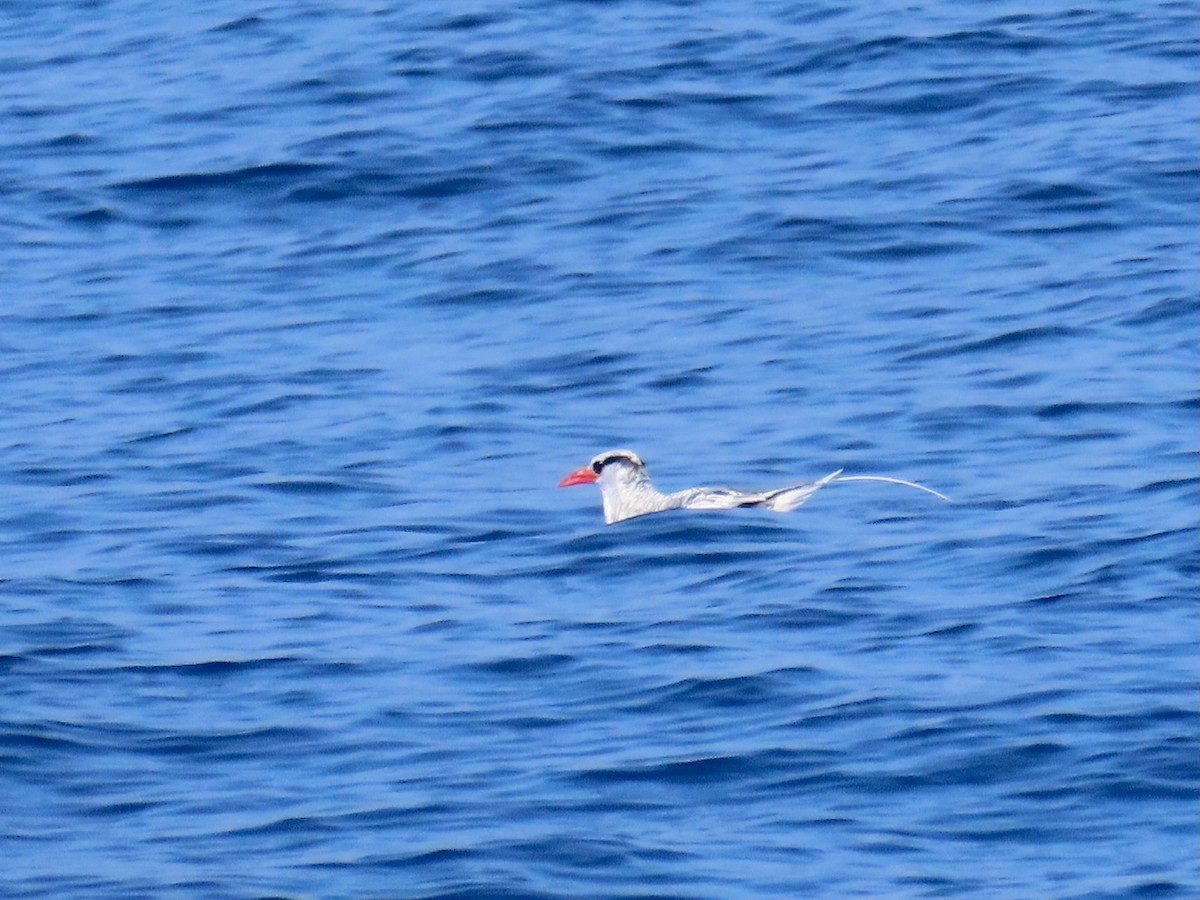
(601, 463)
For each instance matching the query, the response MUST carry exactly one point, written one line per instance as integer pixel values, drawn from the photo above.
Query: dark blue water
(305, 309)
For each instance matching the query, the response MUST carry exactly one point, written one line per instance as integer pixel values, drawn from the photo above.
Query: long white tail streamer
(911, 484)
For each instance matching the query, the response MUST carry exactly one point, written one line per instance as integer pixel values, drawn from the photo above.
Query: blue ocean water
(306, 308)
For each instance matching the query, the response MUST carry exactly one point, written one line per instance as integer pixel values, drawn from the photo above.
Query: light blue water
(304, 310)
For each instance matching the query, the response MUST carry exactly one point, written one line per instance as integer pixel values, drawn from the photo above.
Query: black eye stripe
(601, 463)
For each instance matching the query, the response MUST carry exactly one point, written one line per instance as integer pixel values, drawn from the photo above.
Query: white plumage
(626, 491)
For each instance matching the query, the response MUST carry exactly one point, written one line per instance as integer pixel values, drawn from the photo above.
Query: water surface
(306, 310)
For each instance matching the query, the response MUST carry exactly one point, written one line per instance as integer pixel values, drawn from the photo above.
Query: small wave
(269, 175)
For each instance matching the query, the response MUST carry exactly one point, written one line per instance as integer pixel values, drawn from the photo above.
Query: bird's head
(610, 468)
(625, 487)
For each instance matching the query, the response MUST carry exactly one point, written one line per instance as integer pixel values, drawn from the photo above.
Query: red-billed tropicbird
(627, 492)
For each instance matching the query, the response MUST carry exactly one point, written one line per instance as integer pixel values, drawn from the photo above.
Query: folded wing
(779, 500)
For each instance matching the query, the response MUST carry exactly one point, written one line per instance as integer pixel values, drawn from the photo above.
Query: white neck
(627, 493)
